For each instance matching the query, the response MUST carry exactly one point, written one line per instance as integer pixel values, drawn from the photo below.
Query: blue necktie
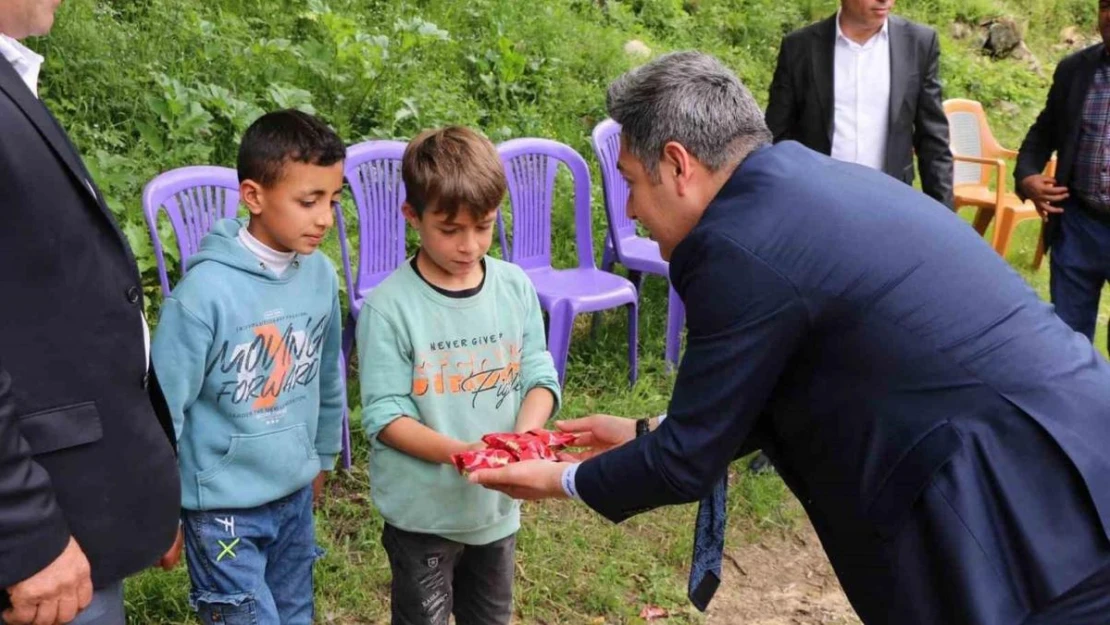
(709, 546)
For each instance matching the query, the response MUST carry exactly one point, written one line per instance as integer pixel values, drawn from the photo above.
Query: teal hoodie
(461, 366)
(248, 363)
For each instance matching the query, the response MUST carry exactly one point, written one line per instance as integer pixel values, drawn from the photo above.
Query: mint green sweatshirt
(460, 366)
(249, 365)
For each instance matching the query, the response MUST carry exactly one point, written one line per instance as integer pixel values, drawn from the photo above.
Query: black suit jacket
(1057, 127)
(82, 450)
(801, 104)
(947, 433)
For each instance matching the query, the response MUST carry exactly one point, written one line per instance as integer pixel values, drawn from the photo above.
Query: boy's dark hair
(451, 168)
(282, 137)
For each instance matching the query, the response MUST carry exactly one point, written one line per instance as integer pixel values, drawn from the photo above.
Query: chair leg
(676, 317)
(1038, 257)
(608, 256)
(633, 343)
(983, 218)
(558, 336)
(637, 279)
(1003, 230)
(346, 418)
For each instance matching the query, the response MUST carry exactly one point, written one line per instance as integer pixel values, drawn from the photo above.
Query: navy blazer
(85, 436)
(947, 434)
(1057, 127)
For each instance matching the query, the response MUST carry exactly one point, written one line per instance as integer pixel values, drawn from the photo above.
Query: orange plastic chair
(978, 155)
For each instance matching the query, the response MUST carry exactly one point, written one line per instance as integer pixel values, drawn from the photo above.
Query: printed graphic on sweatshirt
(267, 366)
(485, 367)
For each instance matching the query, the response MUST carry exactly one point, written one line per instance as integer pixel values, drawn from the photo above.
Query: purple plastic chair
(195, 198)
(373, 172)
(530, 166)
(640, 255)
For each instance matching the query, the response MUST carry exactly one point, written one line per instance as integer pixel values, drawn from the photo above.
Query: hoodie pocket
(259, 468)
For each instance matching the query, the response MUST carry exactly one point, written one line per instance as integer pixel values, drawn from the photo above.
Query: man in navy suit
(947, 434)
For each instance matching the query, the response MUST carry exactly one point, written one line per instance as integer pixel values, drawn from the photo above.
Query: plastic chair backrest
(970, 135)
(530, 167)
(606, 141)
(194, 198)
(373, 173)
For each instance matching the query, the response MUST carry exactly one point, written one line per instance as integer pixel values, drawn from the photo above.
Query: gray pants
(434, 577)
(106, 607)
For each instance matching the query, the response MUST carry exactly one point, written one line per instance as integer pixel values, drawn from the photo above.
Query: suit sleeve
(782, 109)
(930, 132)
(745, 320)
(33, 529)
(1043, 137)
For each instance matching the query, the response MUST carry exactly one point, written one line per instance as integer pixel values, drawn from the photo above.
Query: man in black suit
(89, 490)
(1076, 203)
(862, 87)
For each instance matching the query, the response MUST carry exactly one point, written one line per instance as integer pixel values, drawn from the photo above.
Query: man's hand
(1042, 190)
(530, 479)
(55, 594)
(598, 433)
(173, 556)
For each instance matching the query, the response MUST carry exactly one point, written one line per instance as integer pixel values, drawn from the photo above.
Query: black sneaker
(761, 464)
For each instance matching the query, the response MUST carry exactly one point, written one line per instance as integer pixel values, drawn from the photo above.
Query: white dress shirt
(861, 93)
(25, 61)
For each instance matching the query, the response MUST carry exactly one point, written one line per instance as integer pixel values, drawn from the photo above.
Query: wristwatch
(642, 427)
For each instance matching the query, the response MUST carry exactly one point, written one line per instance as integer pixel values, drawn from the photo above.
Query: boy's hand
(476, 446)
(173, 556)
(318, 486)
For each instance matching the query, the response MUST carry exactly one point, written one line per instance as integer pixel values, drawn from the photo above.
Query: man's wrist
(568, 481)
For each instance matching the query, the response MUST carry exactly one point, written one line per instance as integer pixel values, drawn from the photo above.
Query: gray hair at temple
(690, 98)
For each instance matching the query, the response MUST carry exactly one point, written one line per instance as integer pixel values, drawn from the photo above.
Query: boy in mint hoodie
(451, 347)
(248, 345)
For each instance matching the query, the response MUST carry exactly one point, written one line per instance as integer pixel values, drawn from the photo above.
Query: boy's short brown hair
(452, 168)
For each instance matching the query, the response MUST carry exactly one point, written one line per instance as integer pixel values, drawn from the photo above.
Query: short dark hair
(282, 137)
(452, 168)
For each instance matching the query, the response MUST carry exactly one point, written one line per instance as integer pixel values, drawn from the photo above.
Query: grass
(147, 85)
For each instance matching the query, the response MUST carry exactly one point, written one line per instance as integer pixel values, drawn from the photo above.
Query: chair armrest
(1000, 167)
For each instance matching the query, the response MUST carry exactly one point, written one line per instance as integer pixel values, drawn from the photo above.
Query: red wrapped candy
(469, 461)
(508, 441)
(508, 447)
(554, 440)
(533, 448)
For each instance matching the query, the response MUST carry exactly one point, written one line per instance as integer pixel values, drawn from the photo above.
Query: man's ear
(250, 192)
(677, 163)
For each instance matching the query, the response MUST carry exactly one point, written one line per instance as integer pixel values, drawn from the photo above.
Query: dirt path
(780, 581)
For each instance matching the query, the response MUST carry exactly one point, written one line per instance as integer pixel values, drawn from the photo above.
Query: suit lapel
(1081, 83)
(12, 85)
(901, 58)
(821, 56)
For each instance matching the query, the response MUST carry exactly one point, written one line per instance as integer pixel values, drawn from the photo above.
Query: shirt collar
(26, 62)
(884, 32)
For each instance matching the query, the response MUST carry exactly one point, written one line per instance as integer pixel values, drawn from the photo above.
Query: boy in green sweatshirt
(451, 347)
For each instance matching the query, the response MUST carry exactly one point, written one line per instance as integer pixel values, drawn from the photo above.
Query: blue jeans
(253, 566)
(1080, 267)
(106, 607)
